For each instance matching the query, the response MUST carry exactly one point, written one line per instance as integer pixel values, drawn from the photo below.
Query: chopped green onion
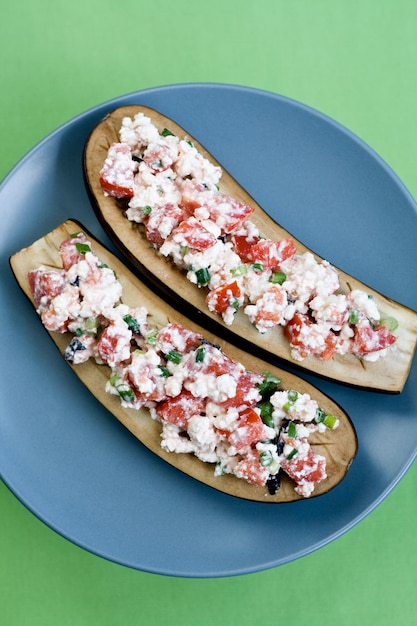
(82, 248)
(320, 415)
(79, 332)
(266, 409)
(132, 323)
(292, 395)
(354, 316)
(73, 235)
(184, 250)
(146, 210)
(203, 277)
(91, 322)
(113, 380)
(327, 419)
(103, 266)
(268, 386)
(258, 267)
(292, 454)
(330, 421)
(389, 322)
(190, 143)
(292, 430)
(266, 458)
(123, 390)
(126, 394)
(234, 303)
(277, 278)
(174, 356)
(287, 406)
(240, 270)
(164, 371)
(167, 133)
(200, 354)
(151, 338)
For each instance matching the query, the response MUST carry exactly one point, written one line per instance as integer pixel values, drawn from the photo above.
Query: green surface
(353, 60)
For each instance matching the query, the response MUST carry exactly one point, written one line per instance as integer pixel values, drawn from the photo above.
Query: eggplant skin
(339, 446)
(387, 374)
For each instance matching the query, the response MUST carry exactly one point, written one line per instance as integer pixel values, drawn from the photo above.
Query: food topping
(173, 191)
(208, 405)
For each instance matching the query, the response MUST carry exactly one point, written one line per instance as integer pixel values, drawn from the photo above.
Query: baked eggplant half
(112, 331)
(160, 212)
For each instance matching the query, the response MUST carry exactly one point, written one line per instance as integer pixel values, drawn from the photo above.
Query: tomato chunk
(179, 409)
(271, 253)
(368, 339)
(247, 392)
(210, 360)
(113, 347)
(219, 299)
(269, 308)
(228, 213)
(162, 222)
(159, 157)
(70, 252)
(174, 336)
(249, 431)
(308, 467)
(116, 175)
(194, 235)
(243, 246)
(45, 284)
(251, 470)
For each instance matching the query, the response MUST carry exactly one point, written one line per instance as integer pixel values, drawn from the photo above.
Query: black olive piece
(72, 348)
(274, 482)
(210, 343)
(75, 282)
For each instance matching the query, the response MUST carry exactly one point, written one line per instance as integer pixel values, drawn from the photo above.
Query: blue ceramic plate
(77, 468)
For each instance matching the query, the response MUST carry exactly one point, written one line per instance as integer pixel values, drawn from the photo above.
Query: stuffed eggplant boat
(187, 225)
(218, 414)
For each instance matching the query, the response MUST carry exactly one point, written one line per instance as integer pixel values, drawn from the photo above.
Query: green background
(354, 60)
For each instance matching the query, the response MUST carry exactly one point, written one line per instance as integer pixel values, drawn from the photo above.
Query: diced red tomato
(219, 299)
(46, 284)
(159, 157)
(247, 392)
(162, 222)
(308, 467)
(367, 339)
(68, 250)
(272, 253)
(213, 362)
(251, 470)
(250, 430)
(228, 213)
(308, 339)
(269, 308)
(243, 246)
(179, 409)
(296, 329)
(331, 345)
(193, 234)
(176, 337)
(145, 380)
(116, 175)
(190, 199)
(52, 321)
(113, 347)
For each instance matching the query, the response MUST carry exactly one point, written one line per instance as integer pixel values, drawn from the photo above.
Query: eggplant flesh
(387, 374)
(339, 446)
